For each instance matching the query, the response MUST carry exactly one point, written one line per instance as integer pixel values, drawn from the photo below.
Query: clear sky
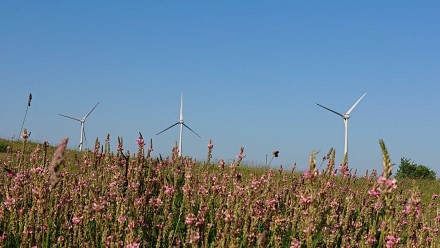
(251, 73)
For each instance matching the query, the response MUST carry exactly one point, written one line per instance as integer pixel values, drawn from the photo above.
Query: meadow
(55, 197)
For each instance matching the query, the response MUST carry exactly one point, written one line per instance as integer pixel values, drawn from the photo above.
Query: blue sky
(251, 73)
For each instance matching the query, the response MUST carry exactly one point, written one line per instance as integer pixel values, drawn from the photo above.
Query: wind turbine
(182, 124)
(345, 116)
(82, 120)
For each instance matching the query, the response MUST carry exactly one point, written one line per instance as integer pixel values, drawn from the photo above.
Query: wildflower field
(54, 197)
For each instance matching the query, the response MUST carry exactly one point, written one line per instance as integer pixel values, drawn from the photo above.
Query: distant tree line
(409, 169)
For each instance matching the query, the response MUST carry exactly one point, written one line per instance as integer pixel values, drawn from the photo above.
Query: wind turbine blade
(90, 111)
(331, 110)
(191, 130)
(168, 128)
(354, 105)
(70, 117)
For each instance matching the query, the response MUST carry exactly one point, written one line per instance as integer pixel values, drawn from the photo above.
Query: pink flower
(305, 199)
(344, 170)
(407, 209)
(381, 180)
(190, 219)
(210, 145)
(309, 174)
(221, 164)
(120, 147)
(374, 192)
(140, 142)
(370, 240)
(155, 202)
(76, 220)
(241, 156)
(309, 229)
(169, 190)
(9, 202)
(108, 240)
(194, 237)
(392, 240)
(272, 203)
(61, 239)
(121, 219)
(228, 217)
(98, 207)
(186, 189)
(295, 243)
(131, 224)
(133, 245)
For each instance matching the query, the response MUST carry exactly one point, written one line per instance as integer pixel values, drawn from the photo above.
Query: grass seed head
(57, 161)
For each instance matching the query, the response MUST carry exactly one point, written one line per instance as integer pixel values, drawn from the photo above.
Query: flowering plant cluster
(100, 199)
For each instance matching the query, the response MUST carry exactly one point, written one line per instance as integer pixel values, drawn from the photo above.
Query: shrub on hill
(409, 169)
(3, 146)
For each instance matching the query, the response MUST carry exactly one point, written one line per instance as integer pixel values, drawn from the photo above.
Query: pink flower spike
(381, 180)
(241, 156)
(374, 192)
(392, 241)
(140, 142)
(221, 164)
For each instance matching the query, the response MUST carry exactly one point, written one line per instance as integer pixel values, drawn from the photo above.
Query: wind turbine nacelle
(346, 117)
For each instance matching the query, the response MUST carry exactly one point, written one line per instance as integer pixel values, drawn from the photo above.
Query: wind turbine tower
(182, 124)
(82, 120)
(345, 117)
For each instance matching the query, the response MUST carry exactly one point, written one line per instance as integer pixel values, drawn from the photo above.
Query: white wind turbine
(345, 116)
(82, 120)
(182, 123)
